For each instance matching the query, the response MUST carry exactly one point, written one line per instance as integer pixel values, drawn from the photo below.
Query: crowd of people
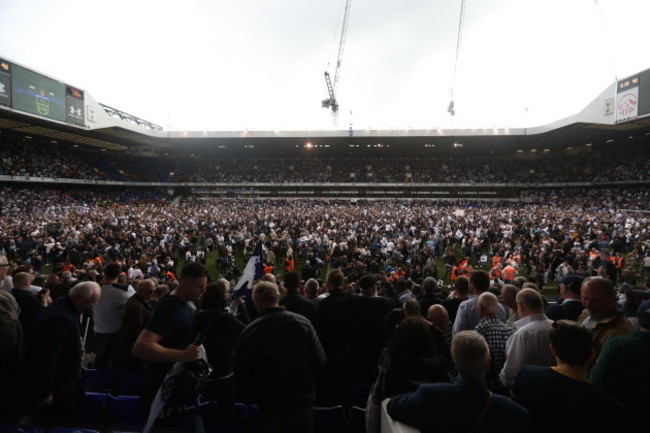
(628, 163)
(427, 290)
(498, 345)
(48, 227)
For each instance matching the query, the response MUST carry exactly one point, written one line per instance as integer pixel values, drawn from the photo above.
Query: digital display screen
(5, 83)
(633, 97)
(74, 101)
(37, 94)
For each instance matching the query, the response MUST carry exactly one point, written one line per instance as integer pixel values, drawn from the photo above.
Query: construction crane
(331, 102)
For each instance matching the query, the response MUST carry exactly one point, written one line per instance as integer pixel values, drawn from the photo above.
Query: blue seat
(246, 418)
(329, 419)
(124, 412)
(93, 413)
(10, 428)
(98, 380)
(128, 382)
(358, 394)
(72, 430)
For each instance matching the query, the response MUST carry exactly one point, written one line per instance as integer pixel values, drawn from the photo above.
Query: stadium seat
(98, 380)
(93, 413)
(19, 429)
(330, 394)
(357, 420)
(71, 430)
(124, 412)
(357, 394)
(329, 419)
(128, 382)
(246, 418)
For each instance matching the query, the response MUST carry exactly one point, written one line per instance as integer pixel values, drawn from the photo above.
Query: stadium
(85, 185)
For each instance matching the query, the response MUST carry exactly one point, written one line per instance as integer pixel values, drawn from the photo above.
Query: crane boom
(332, 85)
(344, 32)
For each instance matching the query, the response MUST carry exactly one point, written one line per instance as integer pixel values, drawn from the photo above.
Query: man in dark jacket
(334, 324)
(465, 404)
(277, 359)
(293, 301)
(52, 360)
(367, 333)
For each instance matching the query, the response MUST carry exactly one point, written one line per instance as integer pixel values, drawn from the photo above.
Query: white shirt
(109, 309)
(530, 344)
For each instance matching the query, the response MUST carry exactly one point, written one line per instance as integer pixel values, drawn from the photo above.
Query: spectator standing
(107, 314)
(622, 367)
(30, 304)
(168, 338)
(601, 315)
(293, 301)
(334, 325)
(461, 293)
(52, 359)
(465, 404)
(278, 357)
(221, 330)
(564, 390)
(496, 333)
(367, 334)
(137, 313)
(467, 317)
(530, 342)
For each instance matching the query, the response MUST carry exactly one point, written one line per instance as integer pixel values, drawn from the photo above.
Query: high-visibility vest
(619, 262)
(465, 270)
(509, 273)
(455, 273)
(289, 265)
(268, 269)
(496, 272)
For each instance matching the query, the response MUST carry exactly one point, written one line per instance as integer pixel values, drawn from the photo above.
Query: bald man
(53, 357)
(439, 318)
(530, 343)
(601, 315)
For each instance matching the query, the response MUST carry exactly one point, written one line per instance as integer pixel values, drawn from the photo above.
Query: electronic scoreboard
(30, 92)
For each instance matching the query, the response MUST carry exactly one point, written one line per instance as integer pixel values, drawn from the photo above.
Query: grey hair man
(495, 332)
(530, 343)
(465, 404)
(277, 359)
(53, 357)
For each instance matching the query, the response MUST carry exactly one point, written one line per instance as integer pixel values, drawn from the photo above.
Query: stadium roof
(329, 143)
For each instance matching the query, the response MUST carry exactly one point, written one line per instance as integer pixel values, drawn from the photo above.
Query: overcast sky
(259, 64)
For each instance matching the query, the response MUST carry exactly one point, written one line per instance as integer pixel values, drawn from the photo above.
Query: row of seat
(328, 394)
(111, 380)
(123, 418)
